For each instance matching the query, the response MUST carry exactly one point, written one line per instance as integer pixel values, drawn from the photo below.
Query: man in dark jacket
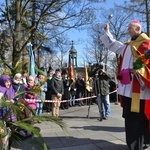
(103, 93)
(49, 91)
(66, 95)
(80, 85)
(57, 92)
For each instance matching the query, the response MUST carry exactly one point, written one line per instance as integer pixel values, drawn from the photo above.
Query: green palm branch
(24, 123)
(20, 67)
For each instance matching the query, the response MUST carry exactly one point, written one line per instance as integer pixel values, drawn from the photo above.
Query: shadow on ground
(68, 143)
(101, 128)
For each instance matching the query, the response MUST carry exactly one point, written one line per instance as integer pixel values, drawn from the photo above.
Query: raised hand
(106, 27)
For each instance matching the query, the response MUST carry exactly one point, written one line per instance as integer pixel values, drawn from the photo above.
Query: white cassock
(118, 47)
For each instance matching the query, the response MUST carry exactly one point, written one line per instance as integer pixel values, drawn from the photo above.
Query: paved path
(83, 133)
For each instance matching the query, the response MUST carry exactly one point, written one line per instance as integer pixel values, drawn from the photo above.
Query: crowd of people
(49, 91)
(55, 87)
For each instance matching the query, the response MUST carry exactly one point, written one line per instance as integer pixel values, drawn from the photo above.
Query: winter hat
(41, 71)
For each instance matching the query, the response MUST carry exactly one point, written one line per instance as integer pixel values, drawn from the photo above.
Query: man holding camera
(101, 85)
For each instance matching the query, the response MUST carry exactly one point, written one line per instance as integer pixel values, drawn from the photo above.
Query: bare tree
(141, 10)
(62, 49)
(27, 18)
(95, 51)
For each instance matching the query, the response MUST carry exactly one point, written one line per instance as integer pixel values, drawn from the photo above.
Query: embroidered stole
(139, 46)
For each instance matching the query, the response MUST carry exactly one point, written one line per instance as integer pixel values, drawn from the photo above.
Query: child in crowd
(41, 82)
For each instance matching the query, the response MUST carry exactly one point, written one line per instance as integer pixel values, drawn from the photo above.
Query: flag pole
(85, 80)
(87, 89)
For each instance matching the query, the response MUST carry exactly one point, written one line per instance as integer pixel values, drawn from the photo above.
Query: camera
(95, 70)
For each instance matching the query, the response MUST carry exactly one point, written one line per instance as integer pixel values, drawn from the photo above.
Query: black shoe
(146, 146)
(105, 118)
(62, 107)
(100, 119)
(66, 107)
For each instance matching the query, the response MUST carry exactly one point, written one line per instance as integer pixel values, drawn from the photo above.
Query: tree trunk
(147, 17)
(16, 35)
(16, 56)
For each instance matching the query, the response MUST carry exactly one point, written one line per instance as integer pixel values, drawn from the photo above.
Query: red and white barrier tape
(52, 101)
(62, 101)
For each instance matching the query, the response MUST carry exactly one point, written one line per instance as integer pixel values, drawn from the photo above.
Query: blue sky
(1, 1)
(76, 35)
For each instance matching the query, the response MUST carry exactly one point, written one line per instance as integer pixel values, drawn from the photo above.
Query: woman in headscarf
(6, 88)
(7, 92)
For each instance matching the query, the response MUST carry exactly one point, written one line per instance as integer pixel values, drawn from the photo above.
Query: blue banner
(32, 63)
